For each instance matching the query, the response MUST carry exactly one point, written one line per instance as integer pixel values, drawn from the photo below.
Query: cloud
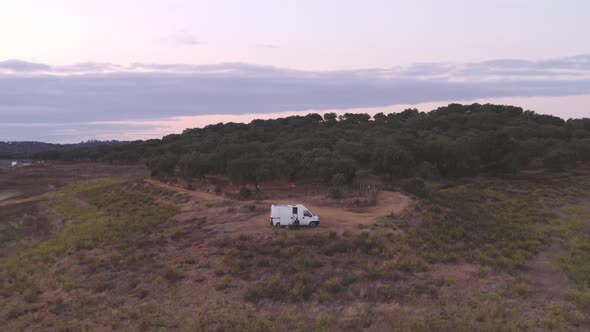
(271, 46)
(23, 66)
(102, 93)
(183, 38)
(88, 67)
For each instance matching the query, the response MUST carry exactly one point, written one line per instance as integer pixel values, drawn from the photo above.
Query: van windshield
(307, 213)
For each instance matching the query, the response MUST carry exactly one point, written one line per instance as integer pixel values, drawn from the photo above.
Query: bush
(387, 293)
(410, 264)
(217, 189)
(333, 285)
(335, 192)
(270, 289)
(162, 165)
(173, 275)
(245, 193)
(582, 298)
(560, 158)
(338, 180)
(302, 288)
(414, 186)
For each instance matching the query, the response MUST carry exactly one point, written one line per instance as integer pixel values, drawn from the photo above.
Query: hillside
(99, 247)
(27, 149)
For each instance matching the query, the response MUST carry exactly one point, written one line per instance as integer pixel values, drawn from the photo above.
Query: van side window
(294, 210)
(307, 213)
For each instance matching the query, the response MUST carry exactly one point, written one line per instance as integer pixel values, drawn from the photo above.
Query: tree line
(452, 141)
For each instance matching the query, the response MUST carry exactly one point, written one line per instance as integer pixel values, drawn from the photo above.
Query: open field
(104, 248)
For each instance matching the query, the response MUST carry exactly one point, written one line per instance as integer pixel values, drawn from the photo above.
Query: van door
(295, 216)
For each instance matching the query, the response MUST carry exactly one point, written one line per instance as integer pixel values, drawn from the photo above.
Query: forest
(451, 141)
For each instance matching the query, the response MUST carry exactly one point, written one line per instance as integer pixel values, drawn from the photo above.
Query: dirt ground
(331, 218)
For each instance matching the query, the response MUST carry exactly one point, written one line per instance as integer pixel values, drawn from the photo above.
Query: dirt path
(338, 218)
(332, 218)
(200, 195)
(546, 274)
(21, 200)
(7, 194)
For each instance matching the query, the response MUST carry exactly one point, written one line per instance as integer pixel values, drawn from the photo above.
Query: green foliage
(333, 284)
(245, 193)
(194, 164)
(273, 289)
(162, 164)
(560, 157)
(452, 141)
(218, 189)
(414, 186)
(335, 192)
(338, 180)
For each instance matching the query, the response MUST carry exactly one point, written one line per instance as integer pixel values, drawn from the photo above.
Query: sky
(103, 69)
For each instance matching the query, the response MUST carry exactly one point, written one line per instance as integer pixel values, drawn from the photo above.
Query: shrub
(335, 192)
(333, 285)
(302, 288)
(245, 193)
(217, 189)
(386, 292)
(173, 274)
(414, 186)
(338, 180)
(31, 293)
(559, 158)
(410, 264)
(57, 307)
(224, 283)
(582, 298)
(272, 289)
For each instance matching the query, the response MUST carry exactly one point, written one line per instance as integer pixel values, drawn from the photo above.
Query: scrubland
(116, 252)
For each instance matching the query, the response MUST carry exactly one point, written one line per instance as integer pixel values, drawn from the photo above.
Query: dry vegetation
(126, 254)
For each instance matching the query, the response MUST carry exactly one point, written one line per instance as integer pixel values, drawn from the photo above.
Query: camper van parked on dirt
(292, 215)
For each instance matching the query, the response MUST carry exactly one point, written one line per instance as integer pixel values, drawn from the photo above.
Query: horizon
(248, 118)
(83, 70)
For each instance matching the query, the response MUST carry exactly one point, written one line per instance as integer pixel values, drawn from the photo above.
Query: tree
(414, 186)
(380, 117)
(582, 149)
(394, 161)
(162, 165)
(330, 119)
(338, 180)
(195, 164)
(560, 157)
(247, 170)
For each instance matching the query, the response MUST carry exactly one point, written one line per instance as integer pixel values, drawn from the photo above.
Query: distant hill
(26, 149)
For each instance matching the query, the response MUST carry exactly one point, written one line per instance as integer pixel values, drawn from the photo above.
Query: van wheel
(278, 225)
(313, 224)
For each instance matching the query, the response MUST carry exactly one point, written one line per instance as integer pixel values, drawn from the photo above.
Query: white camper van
(292, 215)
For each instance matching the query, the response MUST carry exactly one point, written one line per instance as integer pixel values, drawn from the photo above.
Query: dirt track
(339, 218)
(200, 195)
(332, 218)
